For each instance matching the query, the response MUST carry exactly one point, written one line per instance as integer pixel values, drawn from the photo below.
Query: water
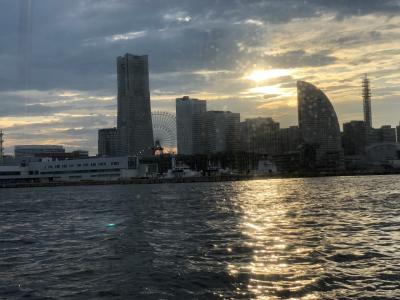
(316, 238)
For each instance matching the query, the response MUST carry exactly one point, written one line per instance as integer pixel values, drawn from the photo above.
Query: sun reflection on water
(280, 264)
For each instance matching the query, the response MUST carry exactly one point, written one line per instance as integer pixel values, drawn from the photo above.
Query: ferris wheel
(164, 130)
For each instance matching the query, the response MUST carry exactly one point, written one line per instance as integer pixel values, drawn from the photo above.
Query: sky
(58, 60)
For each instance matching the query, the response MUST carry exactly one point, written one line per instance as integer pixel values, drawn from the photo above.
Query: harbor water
(311, 238)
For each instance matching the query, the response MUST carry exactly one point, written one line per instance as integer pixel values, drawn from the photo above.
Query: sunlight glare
(269, 90)
(261, 75)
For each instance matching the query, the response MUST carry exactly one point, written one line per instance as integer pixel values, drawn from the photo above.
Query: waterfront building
(319, 128)
(85, 169)
(222, 129)
(77, 154)
(373, 135)
(387, 134)
(33, 150)
(367, 147)
(190, 136)
(108, 142)
(40, 155)
(355, 137)
(289, 139)
(134, 122)
(88, 169)
(384, 134)
(259, 135)
(383, 155)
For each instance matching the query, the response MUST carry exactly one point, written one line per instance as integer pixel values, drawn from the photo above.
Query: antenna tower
(366, 93)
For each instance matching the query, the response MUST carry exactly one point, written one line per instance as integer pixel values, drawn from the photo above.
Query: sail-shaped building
(319, 127)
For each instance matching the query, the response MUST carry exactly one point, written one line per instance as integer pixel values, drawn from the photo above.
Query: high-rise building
(289, 139)
(134, 123)
(366, 93)
(190, 135)
(357, 135)
(222, 130)
(108, 142)
(387, 134)
(319, 127)
(32, 150)
(259, 135)
(373, 135)
(355, 138)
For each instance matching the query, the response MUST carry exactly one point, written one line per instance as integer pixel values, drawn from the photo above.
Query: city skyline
(200, 149)
(242, 61)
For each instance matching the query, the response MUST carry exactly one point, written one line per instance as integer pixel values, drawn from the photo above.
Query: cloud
(201, 48)
(300, 58)
(345, 8)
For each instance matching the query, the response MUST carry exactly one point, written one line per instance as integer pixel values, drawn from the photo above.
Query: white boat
(213, 170)
(180, 171)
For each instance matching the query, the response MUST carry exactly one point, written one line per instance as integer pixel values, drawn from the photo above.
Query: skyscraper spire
(366, 93)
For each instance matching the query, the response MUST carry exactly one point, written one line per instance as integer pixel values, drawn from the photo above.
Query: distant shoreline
(221, 178)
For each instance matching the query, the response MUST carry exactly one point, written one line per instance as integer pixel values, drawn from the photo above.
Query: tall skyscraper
(108, 142)
(319, 126)
(222, 131)
(366, 93)
(190, 136)
(260, 135)
(134, 123)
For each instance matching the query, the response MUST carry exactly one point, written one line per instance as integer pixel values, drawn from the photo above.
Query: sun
(262, 75)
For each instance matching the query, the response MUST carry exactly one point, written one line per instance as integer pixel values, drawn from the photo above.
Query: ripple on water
(314, 238)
